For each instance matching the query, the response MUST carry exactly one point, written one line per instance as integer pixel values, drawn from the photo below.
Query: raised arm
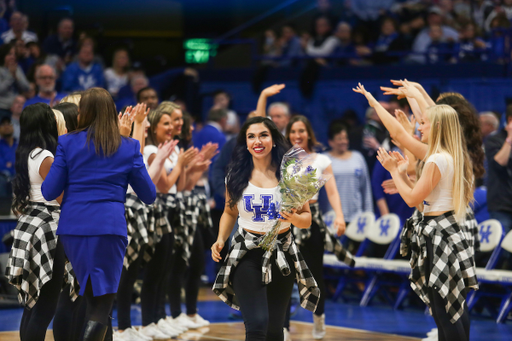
(261, 108)
(395, 129)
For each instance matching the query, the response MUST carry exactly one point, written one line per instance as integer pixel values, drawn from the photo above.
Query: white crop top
(441, 197)
(35, 158)
(253, 208)
(169, 163)
(321, 163)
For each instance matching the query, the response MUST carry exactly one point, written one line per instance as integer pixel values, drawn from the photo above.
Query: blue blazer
(95, 186)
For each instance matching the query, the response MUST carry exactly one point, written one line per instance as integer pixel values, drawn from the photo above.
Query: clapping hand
(140, 112)
(371, 100)
(389, 186)
(387, 160)
(166, 149)
(409, 126)
(186, 157)
(125, 122)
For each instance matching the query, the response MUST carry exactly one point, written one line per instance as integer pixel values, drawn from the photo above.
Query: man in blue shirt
(62, 43)
(83, 74)
(45, 80)
(8, 147)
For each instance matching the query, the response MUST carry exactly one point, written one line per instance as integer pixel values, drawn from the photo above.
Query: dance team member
(313, 241)
(443, 268)
(252, 184)
(93, 166)
(37, 262)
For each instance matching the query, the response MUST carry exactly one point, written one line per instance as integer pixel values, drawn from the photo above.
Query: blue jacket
(77, 79)
(95, 186)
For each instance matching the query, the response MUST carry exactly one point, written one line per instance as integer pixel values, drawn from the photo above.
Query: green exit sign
(199, 50)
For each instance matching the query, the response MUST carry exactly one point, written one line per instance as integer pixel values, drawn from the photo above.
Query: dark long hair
(468, 119)
(240, 168)
(38, 128)
(99, 117)
(70, 112)
(312, 141)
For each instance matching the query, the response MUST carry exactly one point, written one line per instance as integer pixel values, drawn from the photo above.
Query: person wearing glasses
(45, 81)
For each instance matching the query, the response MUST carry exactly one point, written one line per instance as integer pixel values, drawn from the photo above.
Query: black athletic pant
(125, 291)
(263, 306)
(69, 317)
(458, 331)
(191, 276)
(35, 321)
(153, 285)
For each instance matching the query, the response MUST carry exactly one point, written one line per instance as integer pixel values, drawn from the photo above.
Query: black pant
(458, 331)
(69, 317)
(192, 277)
(125, 292)
(35, 321)
(153, 285)
(99, 308)
(263, 306)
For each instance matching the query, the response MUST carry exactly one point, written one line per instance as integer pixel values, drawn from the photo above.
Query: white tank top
(321, 163)
(35, 158)
(254, 206)
(441, 197)
(169, 163)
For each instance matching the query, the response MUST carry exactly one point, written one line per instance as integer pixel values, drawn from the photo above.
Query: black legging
(458, 331)
(192, 277)
(155, 273)
(125, 291)
(263, 306)
(69, 317)
(98, 307)
(35, 321)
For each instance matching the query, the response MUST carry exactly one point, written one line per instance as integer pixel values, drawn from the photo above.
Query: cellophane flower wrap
(299, 182)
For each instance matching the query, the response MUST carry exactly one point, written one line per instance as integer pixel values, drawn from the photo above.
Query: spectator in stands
(4, 25)
(83, 74)
(363, 46)
(279, 113)
(439, 50)
(117, 75)
(86, 40)
(45, 81)
(149, 96)
(16, 109)
(137, 83)
(8, 147)
(499, 39)
(350, 172)
(12, 79)
(505, 8)
(489, 124)
(345, 44)
(222, 100)
(481, 10)
(423, 40)
(62, 43)
(18, 23)
(322, 44)
(289, 45)
(213, 131)
(23, 57)
(470, 47)
(498, 150)
(389, 40)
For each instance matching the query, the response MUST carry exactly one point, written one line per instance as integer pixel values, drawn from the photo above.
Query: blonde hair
(61, 122)
(72, 98)
(165, 108)
(446, 136)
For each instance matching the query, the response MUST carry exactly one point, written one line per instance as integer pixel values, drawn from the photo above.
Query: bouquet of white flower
(299, 183)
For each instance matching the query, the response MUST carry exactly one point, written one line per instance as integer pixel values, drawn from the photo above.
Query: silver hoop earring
(274, 145)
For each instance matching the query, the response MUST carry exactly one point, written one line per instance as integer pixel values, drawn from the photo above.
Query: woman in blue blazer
(93, 166)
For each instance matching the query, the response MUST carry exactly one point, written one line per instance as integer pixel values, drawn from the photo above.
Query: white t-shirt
(115, 81)
(321, 163)
(253, 208)
(441, 197)
(35, 158)
(169, 163)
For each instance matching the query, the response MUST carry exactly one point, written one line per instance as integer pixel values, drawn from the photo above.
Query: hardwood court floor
(235, 331)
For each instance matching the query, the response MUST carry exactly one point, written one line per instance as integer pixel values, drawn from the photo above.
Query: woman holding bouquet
(315, 239)
(251, 192)
(443, 268)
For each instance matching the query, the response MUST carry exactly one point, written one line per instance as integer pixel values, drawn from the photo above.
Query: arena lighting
(199, 50)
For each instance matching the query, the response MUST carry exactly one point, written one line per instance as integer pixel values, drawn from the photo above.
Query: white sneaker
(166, 329)
(287, 336)
(197, 319)
(433, 332)
(174, 324)
(185, 321)
(318, 326)
(142, 336)
(129, 334)
(153, 332)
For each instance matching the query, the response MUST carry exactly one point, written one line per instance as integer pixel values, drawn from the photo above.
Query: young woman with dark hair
(70, 112)
(316, 238)
(37, 260)
(93, 166)
(251, 188)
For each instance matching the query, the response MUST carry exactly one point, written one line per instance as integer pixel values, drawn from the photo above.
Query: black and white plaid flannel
(158, 223)
(244, 241)
(331, 243)
(202, 212)
(30, 263)
(136, 213)
(185, 229)
(453, 264)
